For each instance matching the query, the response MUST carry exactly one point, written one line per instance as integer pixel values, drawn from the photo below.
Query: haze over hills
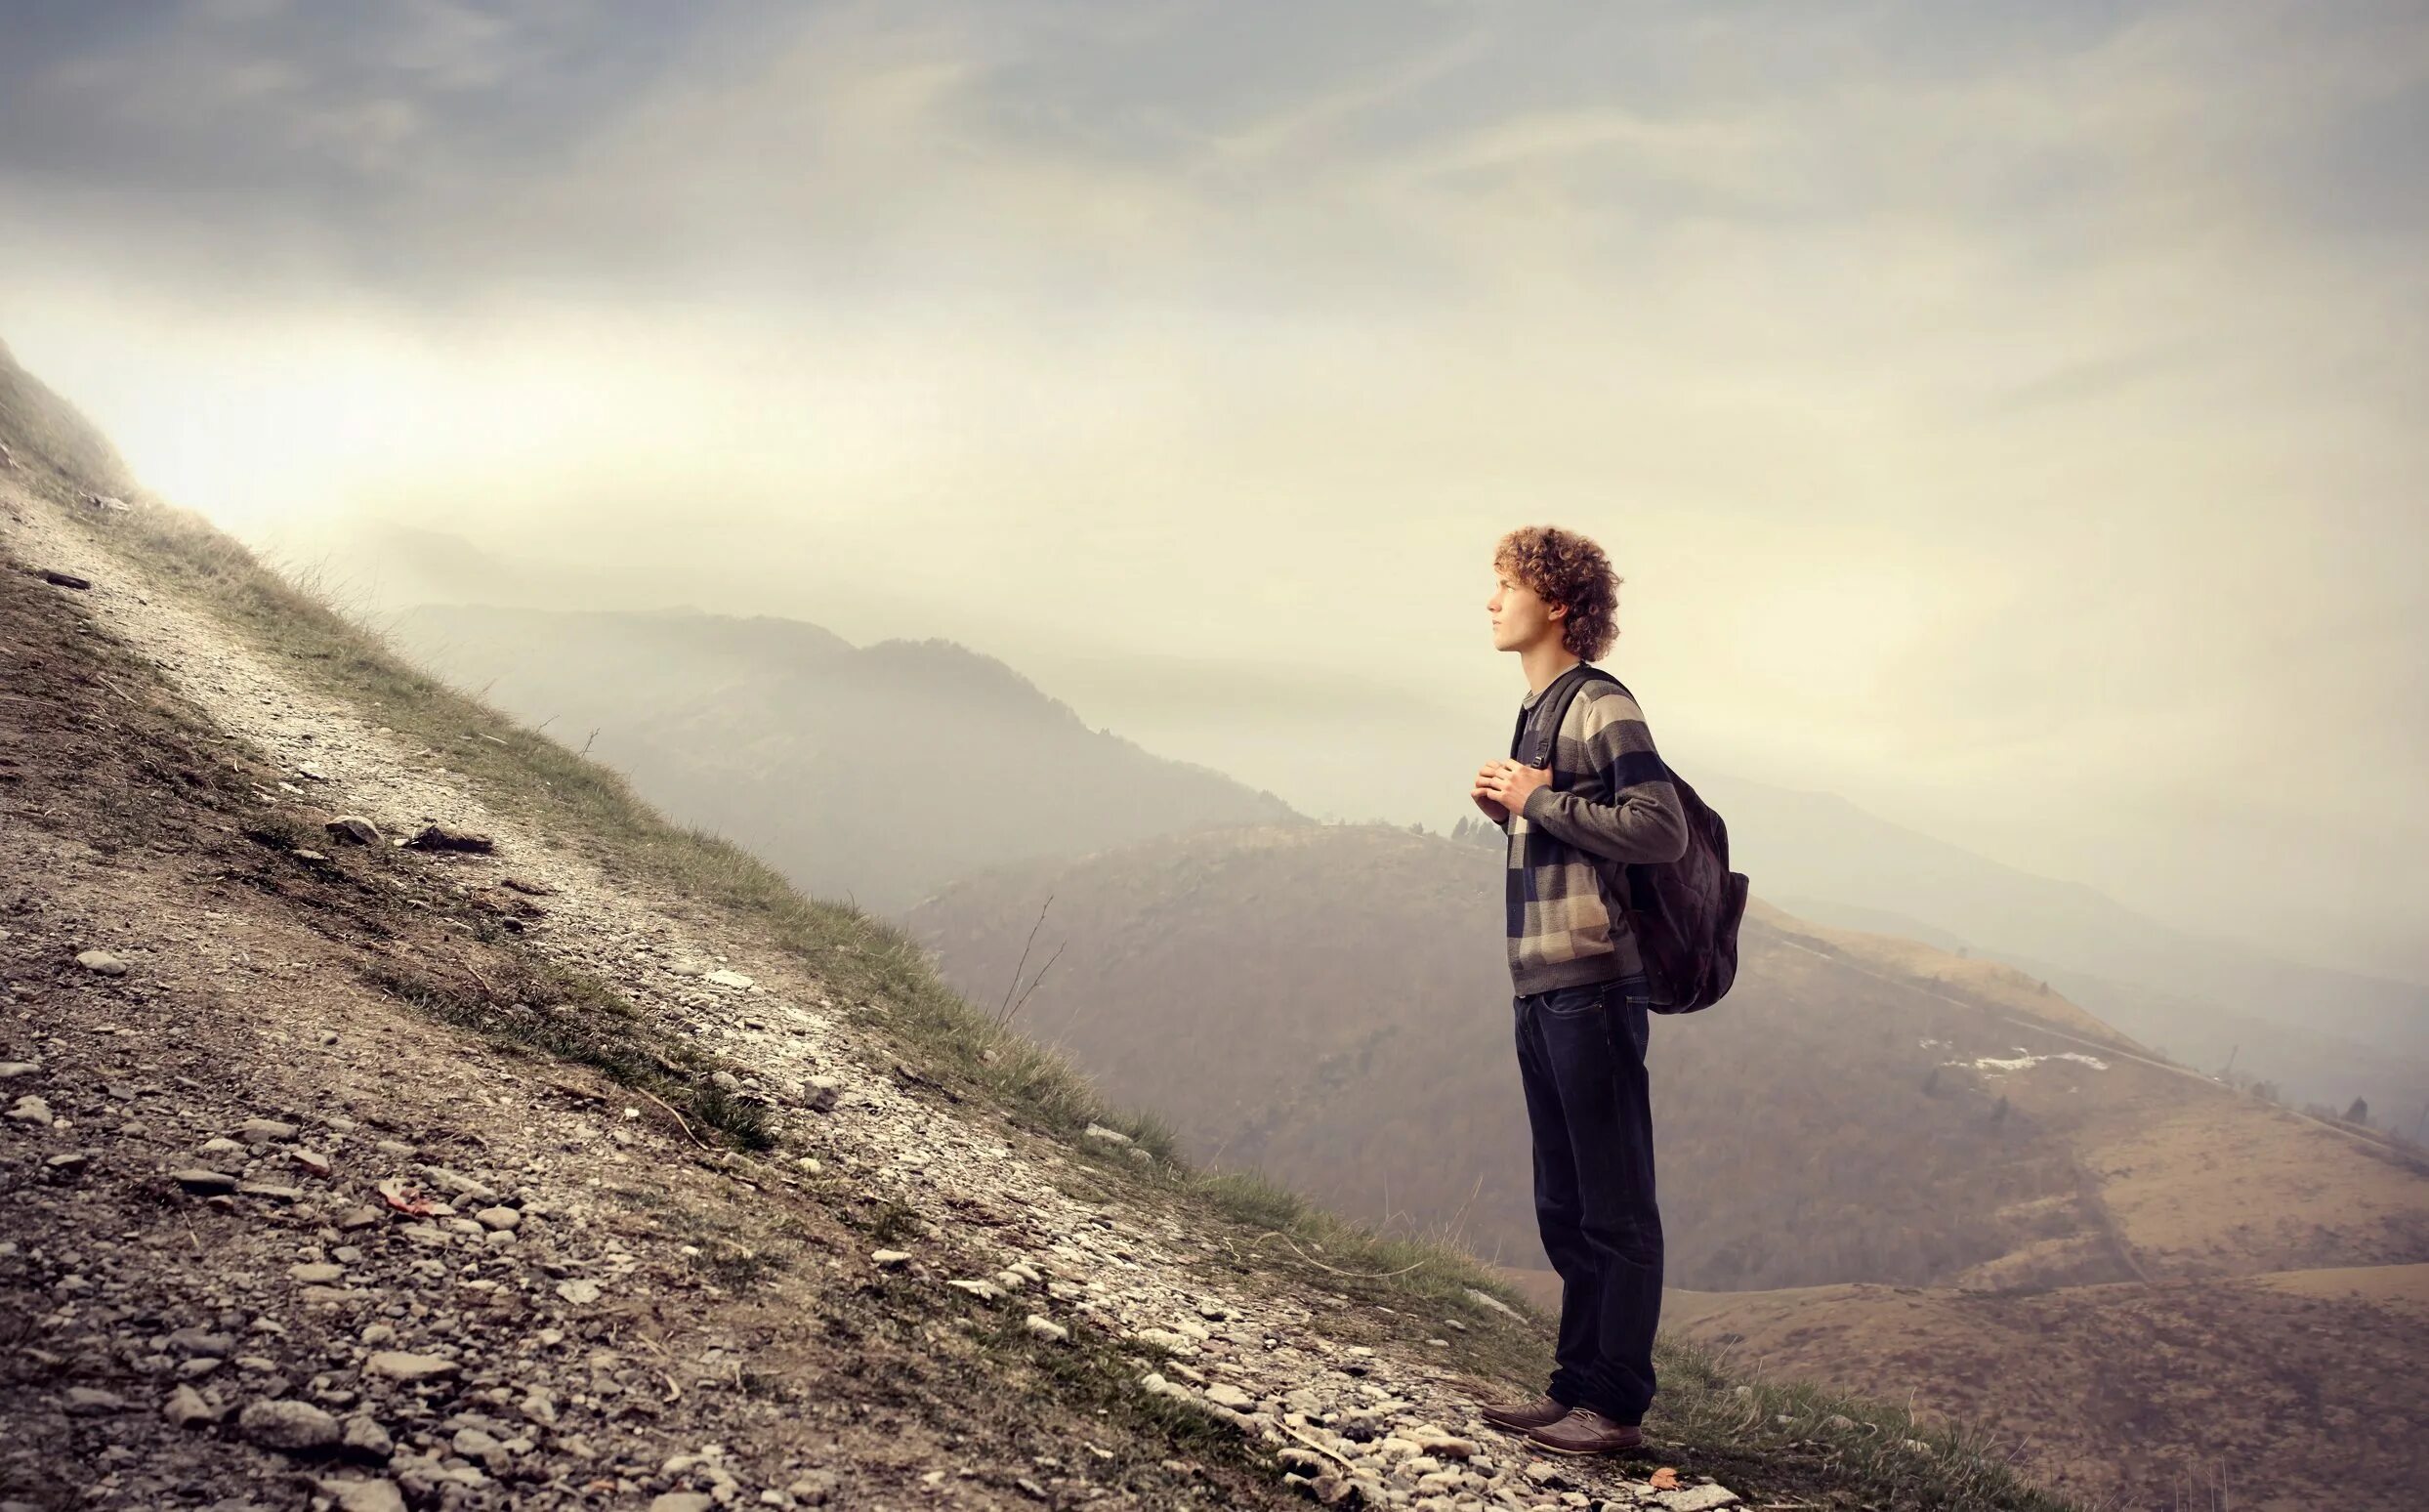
(2321, 1034)
(1815, 1131)
(1864, 1112)
(877, 772)
(2317, 1034)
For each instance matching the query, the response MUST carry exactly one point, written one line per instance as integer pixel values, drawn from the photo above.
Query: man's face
(1520, 616)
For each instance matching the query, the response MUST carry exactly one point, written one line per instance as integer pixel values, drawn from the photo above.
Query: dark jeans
(1581, 1056)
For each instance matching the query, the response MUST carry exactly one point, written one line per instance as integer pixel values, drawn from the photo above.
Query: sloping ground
(2299, 1389)
(1850, 1114)
(1993, 984)
(533, 1176)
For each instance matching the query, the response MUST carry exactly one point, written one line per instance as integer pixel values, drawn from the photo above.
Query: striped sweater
(1609, 803)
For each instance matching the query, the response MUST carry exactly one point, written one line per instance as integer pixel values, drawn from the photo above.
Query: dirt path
(574, 1328)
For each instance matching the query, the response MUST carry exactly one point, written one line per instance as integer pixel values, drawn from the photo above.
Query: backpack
(1684, 913)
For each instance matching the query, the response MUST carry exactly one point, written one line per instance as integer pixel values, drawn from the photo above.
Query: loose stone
(297, 1427)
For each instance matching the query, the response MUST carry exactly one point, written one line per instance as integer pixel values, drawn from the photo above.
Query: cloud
(1999, 411)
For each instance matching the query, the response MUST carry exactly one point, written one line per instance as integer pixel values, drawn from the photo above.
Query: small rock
(1047, 1328)
(311, 1160)
(30, 1110)
(728, 979)
(498, 1218)
(91, 1402)
(102, 963)
(823, 1093)
(1155, 1385)
(12, 1070)
(681, 1501)
(365, 1496)
(297, 1427)
(365, 1439)
(580, 1290)
(71, 1164)
(362, 1217)
(187, 1408)
(890, 1259)
(263, 1131)
(318, 1274)
(399, 1364)
(460, 1185)
(198, 1341)
(354, 827)
(1226, 1395)
(204, 1183)
(64, 579)
(1103, 1135)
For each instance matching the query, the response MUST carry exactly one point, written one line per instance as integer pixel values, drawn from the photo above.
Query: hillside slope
(1860, 1109)
(2323, 1035)
(589, 1166)
(1827, 1124)
(774, 731)
(2319, 1370)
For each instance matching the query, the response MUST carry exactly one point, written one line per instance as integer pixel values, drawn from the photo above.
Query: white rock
(399, 1364)
(1155, 1385)
(365, 1496)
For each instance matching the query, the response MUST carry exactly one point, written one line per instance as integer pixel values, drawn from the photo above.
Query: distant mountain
(1330, 1003)
(2319, 1033)
(876, 772)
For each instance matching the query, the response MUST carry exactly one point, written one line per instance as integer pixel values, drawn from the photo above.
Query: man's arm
(1643, 819)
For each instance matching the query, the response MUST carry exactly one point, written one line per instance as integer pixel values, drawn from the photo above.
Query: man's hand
(1505, 784)
(1481, 790)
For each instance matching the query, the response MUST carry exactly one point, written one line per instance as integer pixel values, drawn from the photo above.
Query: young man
(1580, 986)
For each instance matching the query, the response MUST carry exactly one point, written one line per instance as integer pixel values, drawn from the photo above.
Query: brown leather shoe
(1585, 1431)
(1522, 1415)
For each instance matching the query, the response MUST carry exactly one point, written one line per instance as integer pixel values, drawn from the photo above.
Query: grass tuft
(534, 1004)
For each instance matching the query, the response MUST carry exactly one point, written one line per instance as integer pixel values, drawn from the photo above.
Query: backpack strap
(1555, 706)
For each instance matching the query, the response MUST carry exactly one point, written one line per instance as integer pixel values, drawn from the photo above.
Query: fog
(2008, 421)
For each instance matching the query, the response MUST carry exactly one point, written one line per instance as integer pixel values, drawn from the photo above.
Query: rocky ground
(316, 1192)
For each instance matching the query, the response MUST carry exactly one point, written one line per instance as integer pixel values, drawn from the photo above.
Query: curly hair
(1564, 568)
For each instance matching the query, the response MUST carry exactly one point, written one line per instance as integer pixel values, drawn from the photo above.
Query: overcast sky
(2008, 416)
